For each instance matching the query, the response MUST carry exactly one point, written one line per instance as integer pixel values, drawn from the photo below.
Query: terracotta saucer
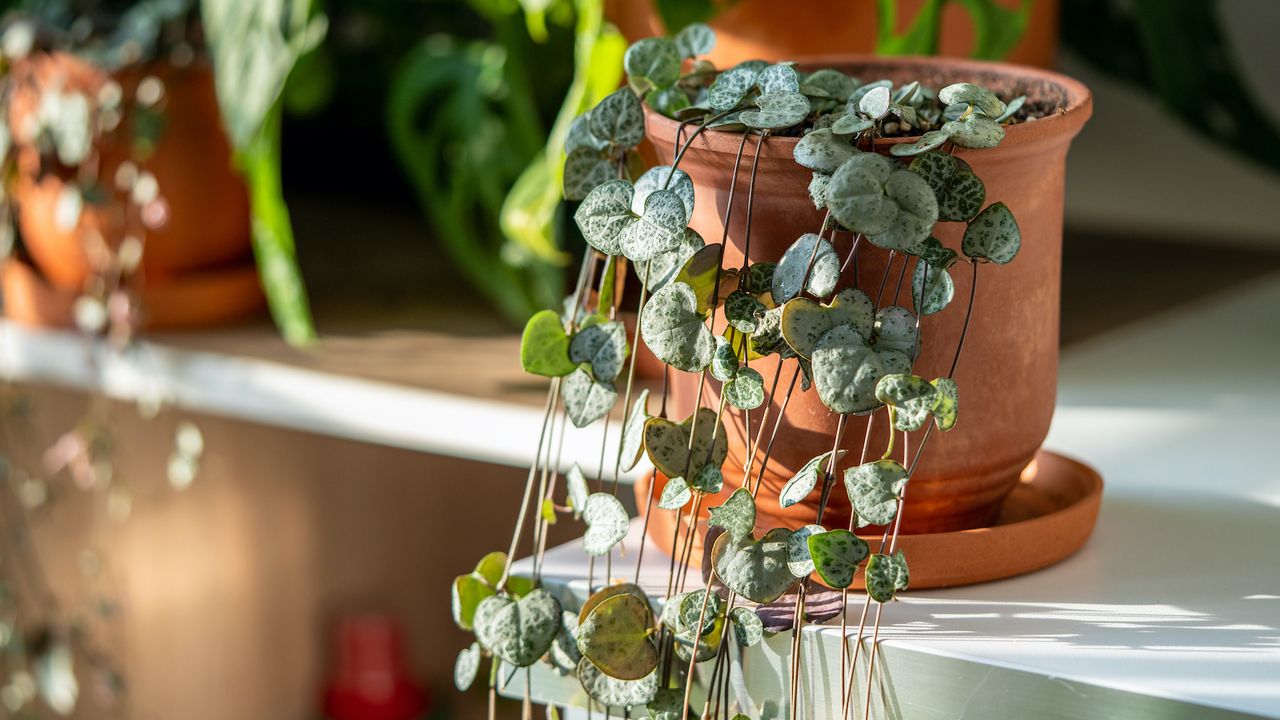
(193, 300)
(1046, 518)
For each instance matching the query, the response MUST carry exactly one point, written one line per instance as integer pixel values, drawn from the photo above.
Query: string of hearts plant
(855, 349)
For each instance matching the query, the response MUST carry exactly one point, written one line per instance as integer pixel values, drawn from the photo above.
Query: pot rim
(1052, 129)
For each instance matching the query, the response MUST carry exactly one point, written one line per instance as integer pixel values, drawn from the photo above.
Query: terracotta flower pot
(206, 222)
(749, 29)
(1008, 371)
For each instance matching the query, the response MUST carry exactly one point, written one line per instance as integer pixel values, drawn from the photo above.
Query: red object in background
(371, 681)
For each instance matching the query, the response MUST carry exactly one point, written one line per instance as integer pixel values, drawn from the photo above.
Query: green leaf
(661, 177)
(896, 330)
(779, 78)
(667, 703)
(544, 346)
(520, 632)
(759, 278)
(997, 29)
(959, 192)
(777, 110)
(747, 628)
(993, 235)
(675, 494)
(604, 214)
(695, 39)
(615, 637)
(828, 83)
(675, 331)
(607, 592)
(587, 400)
(931, 288)
(576, 484)
(669, 101)
(691, 610)
(584, 170)
(580, 136)
(664, 267)
(707, 645)
(911, 397)
(491, 567)
(659, 229)
(701, 271)
(875, 103)
(603, 346)
(836, 555)
(707, 479)
(613, 692)
(633, 431)
(823, 273)
(856, 195)
(743, 311)
(929, 141)
(874, 489)
(755, 569)
(746, 390)
(916, 216)
(799, 560)
(974, 131)
(976, 96)
(467, 593)
(607, 523)
(818, 190)
(885, 575)
(654, 59)
(466, 667)
(619, 119)
(946, 403)
(737, 515)
(846, 370)
(823, 151)
(548, 511)
(851, 125)
(724, 361)
(804, 321)
(667, 444)
(731, 87)
(805, 480)
(564, 650)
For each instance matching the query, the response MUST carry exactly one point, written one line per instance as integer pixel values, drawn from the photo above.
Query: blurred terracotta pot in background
(1008, 372)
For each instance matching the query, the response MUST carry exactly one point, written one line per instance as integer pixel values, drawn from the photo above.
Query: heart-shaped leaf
(667, 444)
(691, 610)
(931, 288)
(911, 397)
(755, 569)
(743, 311)
(929, 141)
(975, 132)
(564, 650)
(806, 479)
(759, 279)
(663, 268)
(747, 628)
(613, 692)
(855, 98)
(875, 104)
(633, 432)
(828, 83)
(975, 95)
(745, 390)
(707, 645)
(466, 667)
(661, 177)
(946, 403)
(959, 192)
(993, 235)
(885, 575)
(779, 78)
(660, 229)
(603, 346)
(695, 39)
(670, 101)
(724, 361)
(467, 593)
(836, 555)
(580, 136)
(823, 269)
(607, 592)
(544, 346)
(874, 489)
(491, 567)
(851, 125)
(710, 281)
(675, 494)
(856, 195)
(822, 150)
(607, 523)
(804, 322)
(731, 87)
(615, 637)
(846, 370)
(584, 170)
(604, 214)
(576, 484)
(587, 400)
(777, 110)
(619, 119)
(737, 515)
(667, 704)
(916, 216)
(518, 631)
(707, 479)
(654, 59)
(675, 331)
(799, 560)
(896, 330)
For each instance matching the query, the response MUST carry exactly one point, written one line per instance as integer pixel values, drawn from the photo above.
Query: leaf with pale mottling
(946, 403)
(604, 214)
(823, 151)
(993, 235)
(675, 494)
(518, 631)
(805, 480)
(607, 523)
(613, 692)
(737, 515)
(755, 569)
(822, 273)
(586, 399)
(745, 390)
(874, 489)
(658, 230)
(675, 331)
(804, 321)
(799, 560)
(619, 119)
(777, 110)
(836, 556)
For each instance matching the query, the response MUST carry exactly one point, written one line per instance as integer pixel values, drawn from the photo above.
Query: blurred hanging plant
(255, 46)
(465, 125)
